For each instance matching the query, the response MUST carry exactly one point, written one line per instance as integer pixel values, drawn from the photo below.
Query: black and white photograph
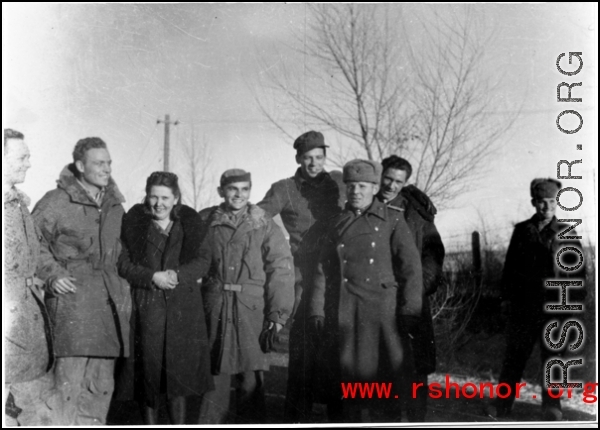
(300, 214)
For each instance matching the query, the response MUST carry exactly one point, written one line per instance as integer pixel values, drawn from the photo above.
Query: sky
(112, 70)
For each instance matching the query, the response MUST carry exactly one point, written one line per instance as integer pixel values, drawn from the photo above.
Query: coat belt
(252, 290)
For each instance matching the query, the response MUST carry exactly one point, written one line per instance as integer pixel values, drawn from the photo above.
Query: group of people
(163, 300)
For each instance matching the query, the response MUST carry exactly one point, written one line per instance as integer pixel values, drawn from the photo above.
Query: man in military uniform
(89, 304)
(306, 201)
(419, 214)
(368, 291)
(530, 260)
(248, 297)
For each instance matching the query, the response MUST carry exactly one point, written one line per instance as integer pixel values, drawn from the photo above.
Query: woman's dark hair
(164, 179)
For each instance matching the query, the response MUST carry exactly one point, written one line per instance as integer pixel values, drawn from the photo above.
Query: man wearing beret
(530, 260)
(248, 297)
(306, 202)
(419, 213)
(368, 292)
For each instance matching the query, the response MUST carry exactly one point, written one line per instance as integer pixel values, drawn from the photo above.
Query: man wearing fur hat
(89, 304)
(306, 202)
(368, 292)
(248, 296)
(530, 260)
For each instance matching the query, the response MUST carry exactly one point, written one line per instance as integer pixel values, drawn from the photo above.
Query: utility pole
(167, 122)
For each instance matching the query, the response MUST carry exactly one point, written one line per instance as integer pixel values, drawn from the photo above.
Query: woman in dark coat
(161, 260)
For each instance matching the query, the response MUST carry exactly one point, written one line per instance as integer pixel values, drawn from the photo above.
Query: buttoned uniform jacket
(531, 260)
(82, 240)
(27, 335)
(250, 280)
(369, 288)
(431, 249)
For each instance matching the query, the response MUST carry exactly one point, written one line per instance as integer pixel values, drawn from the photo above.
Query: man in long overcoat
(367, 290)
(530, 261)
(306, 202)
(248, 293)
(89, 304)
(419, 214)
(27, 335)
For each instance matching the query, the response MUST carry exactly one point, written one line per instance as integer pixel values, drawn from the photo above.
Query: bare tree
(383, 93)
(198, 184)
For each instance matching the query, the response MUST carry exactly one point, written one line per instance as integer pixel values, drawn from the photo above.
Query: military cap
(234, 175)
(362, 171)
(543, 188)
(309, 140)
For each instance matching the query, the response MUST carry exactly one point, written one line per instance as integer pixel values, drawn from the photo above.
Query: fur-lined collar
(68, 182)
(256, 217)
(16, 194)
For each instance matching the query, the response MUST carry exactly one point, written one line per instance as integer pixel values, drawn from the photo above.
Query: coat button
(345, 279)
(372, 244)
(341, 245)
(367, 279)
(345, 261)
(371, 261)
(376, 228)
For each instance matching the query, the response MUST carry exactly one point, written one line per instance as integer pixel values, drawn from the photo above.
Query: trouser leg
(38, 401)
(416, 407)
(546, 354)
(99, 384)
(299, 396)
(215, 404)
(250, 398)
(69, 373)
(521, 338)
(176, 407)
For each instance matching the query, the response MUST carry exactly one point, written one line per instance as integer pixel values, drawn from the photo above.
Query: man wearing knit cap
(306, 202)
(530, 260)
(248, 297)
(367, 293)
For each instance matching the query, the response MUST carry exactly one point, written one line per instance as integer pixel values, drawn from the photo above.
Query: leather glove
(316, 325)
(268, 337)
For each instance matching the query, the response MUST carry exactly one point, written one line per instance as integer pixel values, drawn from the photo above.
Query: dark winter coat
(303, 206)
(530, 260)
(82, 240)
(369, 288)
(255, 255)
(27, 336)
(431, 249)
(170, 328)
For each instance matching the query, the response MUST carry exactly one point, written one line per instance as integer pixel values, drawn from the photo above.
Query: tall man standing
(367, 290)
(27, 336)
(248, 297)
(530, 261)
(306, 201)
(89, 304)
(419, 214)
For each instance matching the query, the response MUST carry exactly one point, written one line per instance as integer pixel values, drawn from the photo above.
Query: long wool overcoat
(368, 280)
(169, 326)
(82, 240)
(255, 255)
